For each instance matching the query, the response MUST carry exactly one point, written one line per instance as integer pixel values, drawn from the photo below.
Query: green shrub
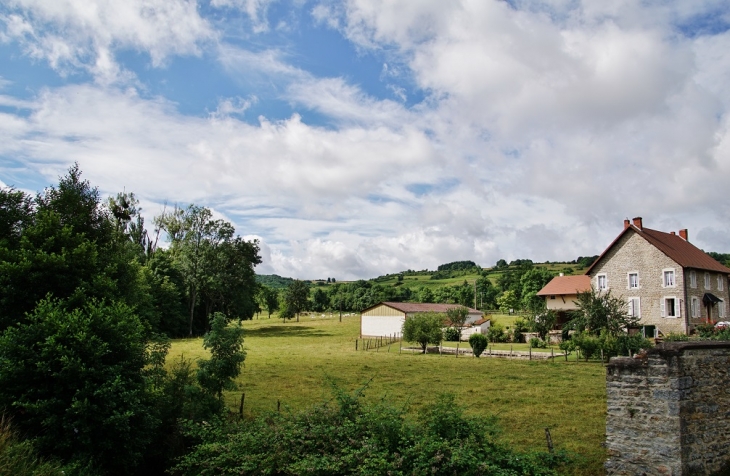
(478, 343)
(567, 345)
(19, 458)
(496, 333)
(451, 334)
(676, 337)
(520, 327)
(706, 331)
(589, 345)
(352, 437)
(537, 343)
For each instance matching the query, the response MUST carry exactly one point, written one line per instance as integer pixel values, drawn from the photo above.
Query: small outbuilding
(387, 318)
(561, 295)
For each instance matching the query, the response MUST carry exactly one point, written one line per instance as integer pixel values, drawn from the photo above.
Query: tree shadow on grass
(286, 331)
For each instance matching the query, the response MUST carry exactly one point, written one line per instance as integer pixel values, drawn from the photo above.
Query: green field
(291, 363)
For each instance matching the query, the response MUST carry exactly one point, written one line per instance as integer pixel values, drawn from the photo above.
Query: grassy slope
(291, 362)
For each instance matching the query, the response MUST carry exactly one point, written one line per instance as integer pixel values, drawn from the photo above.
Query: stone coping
(667, 349)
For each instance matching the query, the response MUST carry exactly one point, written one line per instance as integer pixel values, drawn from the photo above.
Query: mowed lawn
(292, 362)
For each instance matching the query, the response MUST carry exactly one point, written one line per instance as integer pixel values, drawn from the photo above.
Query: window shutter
(631, 307)
(677, 307)
(661, 305)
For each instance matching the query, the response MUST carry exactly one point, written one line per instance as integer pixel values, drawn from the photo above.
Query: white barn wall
(375, 326)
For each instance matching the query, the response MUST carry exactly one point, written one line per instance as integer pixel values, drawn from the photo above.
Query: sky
(356, 138)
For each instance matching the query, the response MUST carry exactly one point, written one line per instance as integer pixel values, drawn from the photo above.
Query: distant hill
(274, 281)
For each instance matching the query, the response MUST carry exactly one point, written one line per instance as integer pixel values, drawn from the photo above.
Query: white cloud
(72, 34)
(255, 9)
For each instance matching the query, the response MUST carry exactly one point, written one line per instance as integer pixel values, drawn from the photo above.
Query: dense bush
(19, 458)
(478, 343)
(496, 333)
(624, 344)
(538, 343)
(350, 437)
(676, 337)
(451, 334)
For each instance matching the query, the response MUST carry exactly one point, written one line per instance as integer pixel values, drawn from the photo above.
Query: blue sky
(355, 138)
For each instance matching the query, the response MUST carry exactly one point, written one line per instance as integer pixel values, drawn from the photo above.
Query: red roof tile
(561, 285)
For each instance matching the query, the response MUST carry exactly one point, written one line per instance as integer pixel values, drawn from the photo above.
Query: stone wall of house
(669, 411)
(630, 254)
(699, 290)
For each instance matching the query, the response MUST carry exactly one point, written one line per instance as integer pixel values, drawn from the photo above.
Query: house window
(695, 307)
(707, 280)
(720, 282)
(552, 296)
(602, 282)
(721, 309)
(670, 307)
(668, 278)
(634, 307)
(693, 279)
(633, 280)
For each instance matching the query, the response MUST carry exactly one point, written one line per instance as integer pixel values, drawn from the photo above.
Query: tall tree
(601, 311)
(296, 297)
(194, 236)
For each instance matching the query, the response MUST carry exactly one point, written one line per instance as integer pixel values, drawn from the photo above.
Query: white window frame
(708, 282)
(628, 278)
(695, 307)
(720, 283)
(665, 273)
(677, 308)
(693, 279)
(605, 282)
(635, 307)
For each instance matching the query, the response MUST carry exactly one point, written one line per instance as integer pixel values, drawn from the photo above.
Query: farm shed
(386, 318)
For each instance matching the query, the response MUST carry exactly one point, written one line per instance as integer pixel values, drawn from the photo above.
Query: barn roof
(410, 307)
(561, 285)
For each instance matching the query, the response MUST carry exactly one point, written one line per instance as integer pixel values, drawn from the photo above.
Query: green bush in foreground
(350, 437)
(19, 458)
(478, 343)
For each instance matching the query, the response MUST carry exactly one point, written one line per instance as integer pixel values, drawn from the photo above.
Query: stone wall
(669, 411)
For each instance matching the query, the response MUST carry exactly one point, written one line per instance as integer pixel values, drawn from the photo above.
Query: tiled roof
(683, 252)
(561, 285)
(420, 307)
(480, 322)
(676, 248)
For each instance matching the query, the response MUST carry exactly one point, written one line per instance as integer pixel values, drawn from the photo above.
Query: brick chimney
(672, 233)
(626, 223)
(638, 224)
(683, 234)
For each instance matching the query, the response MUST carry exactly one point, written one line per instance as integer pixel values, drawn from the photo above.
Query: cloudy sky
(360, 137)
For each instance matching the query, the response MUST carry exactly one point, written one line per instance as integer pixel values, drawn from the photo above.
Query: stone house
(667, 282)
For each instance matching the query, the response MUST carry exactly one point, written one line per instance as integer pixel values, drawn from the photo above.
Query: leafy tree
(194, 237)
(296, 297)
(73, 381)
(531, 282)
(458, 317)
(601, 311)
(487, 293)
(501, 264)
(424, 328)
(478, 343)
(16, 214)
(507, 301)
(227, 355)
(269, 298)
(320, 300)
(425, 294)
(542, 321)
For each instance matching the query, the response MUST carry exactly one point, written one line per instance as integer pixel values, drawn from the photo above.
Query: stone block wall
(669, 411)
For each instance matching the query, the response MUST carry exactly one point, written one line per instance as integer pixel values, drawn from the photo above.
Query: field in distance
(292, 362)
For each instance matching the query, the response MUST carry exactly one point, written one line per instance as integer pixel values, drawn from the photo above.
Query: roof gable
(675, 247)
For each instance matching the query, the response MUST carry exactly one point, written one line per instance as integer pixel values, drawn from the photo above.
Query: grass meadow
(292, 362)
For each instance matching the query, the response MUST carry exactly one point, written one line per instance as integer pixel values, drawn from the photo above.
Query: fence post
(278, 405)
(549, 440)
(530, 357)
(356, 345)
(510, 350)
(400, 346)
(240, 409)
